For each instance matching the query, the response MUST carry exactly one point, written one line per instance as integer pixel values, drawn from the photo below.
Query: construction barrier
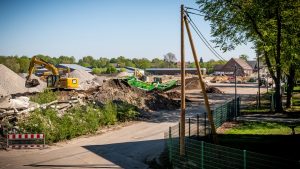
(25, 140)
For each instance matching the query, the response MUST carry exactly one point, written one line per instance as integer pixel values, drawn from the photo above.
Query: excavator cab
(52, 81)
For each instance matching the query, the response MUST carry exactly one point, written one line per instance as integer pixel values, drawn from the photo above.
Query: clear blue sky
(100, 28)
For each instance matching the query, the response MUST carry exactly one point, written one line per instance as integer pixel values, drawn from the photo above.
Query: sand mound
(12, 83)
(120, 90)
(85, 79)
(82, 75)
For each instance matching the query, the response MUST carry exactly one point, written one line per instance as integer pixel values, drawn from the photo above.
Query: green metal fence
(227, 111)
(200, 155)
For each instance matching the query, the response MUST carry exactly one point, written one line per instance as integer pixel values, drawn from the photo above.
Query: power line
(204, 39)
(206, 43)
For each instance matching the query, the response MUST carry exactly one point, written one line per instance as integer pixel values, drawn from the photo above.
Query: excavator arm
(36, 61)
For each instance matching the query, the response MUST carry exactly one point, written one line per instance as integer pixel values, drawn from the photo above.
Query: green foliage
(109, 113)
(126, 111)
(99, 71)
(122, 70)
(76, 121)
(111, 69)
(244, 56)
(44, 97)
(261, 128)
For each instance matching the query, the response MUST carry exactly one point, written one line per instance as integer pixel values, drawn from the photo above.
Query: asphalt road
(128, 147)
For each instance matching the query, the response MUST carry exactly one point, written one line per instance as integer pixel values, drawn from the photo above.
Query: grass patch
(262, 128)
(44, 97)
(250, 111)
(296, 88)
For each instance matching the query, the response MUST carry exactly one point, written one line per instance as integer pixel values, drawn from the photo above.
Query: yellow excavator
(54, 81)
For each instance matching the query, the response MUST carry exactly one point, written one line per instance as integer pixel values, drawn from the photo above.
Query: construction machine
(54, 80)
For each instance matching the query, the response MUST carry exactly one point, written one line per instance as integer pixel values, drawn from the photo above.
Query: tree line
(102, 64)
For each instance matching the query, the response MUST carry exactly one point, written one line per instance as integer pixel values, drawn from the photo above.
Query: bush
(111, 69)
(126, 111)
(76, 121)
(44, 97)
(98, 71)
(109, 113)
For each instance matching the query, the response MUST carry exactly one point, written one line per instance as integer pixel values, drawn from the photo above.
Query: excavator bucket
(32, 83)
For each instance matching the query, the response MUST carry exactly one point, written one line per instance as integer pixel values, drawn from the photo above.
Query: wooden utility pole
(210, 117)
(182, 114)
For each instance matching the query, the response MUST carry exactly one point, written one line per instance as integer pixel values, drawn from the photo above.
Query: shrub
(76, 121)
(126, 111)
(109, 113)
(98, 71)
(44, 97)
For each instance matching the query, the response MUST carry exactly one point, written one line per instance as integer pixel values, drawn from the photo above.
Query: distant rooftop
(75, 67)
(149, 69)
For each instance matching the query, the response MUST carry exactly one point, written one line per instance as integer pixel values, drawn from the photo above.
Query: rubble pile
(120, 90)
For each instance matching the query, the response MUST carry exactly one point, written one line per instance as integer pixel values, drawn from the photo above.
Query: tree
(12, 63)
(24, 62)
(111, 69)
(170, 58)
(66, 59)
(142, 63)
(201, 60)
(244, 57)
(258, 21)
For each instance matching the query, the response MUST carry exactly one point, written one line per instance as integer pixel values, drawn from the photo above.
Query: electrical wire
(194, 26)
(203, 39)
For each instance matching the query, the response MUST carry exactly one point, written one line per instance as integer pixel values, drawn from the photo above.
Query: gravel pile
(85, 79)
(12, 83)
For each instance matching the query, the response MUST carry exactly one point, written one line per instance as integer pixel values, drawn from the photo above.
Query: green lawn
(262, 128)
(297, 88)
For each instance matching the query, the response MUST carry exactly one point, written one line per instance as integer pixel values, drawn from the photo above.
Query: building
(218, 70)
(263, 69)
(243, 68)
(74, 67)
(172, 71)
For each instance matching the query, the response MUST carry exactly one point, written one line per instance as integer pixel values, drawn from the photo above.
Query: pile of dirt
(221, 79)
(120, 90)
(12, 83)
(173, 95)
(190, 84)
(211, 89)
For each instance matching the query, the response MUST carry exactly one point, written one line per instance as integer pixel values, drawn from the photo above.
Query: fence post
(205, 123)
(189, 127)
(245, 158)
(197, 125)
(7, 140)
(44, 140)
(170, 144)
(179, 130)
(202, 155)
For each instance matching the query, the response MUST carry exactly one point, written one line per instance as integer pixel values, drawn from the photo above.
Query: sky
(101, 28)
